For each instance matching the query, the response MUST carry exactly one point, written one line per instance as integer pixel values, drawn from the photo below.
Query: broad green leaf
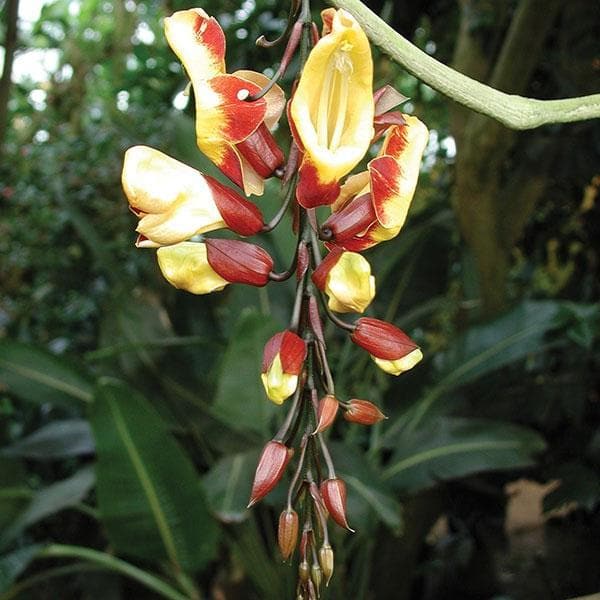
(13, 564)
(480, 351)
(58, 439)
(36, 375)
(366, 489)
(240, 398)
(448, 448)
(50, 500)
(228, 486)
(149, 494)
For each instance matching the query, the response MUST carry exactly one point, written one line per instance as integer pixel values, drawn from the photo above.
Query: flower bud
(391, 349)
(333, 492)
(363, 412)
(326, 412)
(316, 574)
(283, 358)
(239, 262)
(271, 465)
(261, 151)
(186, 267)
(326, 560)
(304, 571)
(346, 278)
(355, 217)
(287, 533)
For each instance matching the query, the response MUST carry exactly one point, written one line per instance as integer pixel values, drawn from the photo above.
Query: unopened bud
(239, 262)
(304, 571)
(333, 492)
(326, 412)
(316, 574)
(326, 561)
(363, 412)
(271, 465)
(287, 533)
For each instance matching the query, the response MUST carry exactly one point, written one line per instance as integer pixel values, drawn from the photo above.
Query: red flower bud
(261, 151)
(328, 407)
(391, 348)
(271, 465)
(333, 492)
(319, 275)
(287, 533)
(239, 214)
(363, 412)
(239, 262)
(291, 349)
(354, 218)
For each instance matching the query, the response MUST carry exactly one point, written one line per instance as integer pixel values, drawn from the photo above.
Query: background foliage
(132, 415)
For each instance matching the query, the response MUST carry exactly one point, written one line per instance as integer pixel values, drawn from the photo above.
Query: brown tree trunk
(489, 224)
(10, 45)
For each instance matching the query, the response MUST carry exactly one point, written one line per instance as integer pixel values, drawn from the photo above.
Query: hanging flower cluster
(334, 117)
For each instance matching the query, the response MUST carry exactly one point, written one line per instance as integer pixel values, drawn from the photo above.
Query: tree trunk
(10, 45)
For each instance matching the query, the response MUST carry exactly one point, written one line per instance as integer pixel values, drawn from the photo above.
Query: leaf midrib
(448, 450)
(146, 482)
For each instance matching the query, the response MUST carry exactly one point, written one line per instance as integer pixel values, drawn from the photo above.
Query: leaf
(149, 494)
(15, 495)
(449, 448)
(50, 500)
(36, 375)
(366, 489)
(58, 439)
(480, 351)
(228, 485)
(240, 398)
(13, 564)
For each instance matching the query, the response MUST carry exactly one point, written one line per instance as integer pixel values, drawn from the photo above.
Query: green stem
(113, 564)
(511, 110)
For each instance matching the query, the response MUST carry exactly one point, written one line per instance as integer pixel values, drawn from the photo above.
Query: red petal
(208, 32)
(328, 407)
(382, 340)
(320, 274)
(357, 216)
(271, 465)
(261, 151)
(240, 118)
(334, 496)
(239, 214)
(292, 353)
(239, 262)
(311, 191)
(385, 174)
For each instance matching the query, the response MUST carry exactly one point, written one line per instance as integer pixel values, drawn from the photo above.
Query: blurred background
(131, 414)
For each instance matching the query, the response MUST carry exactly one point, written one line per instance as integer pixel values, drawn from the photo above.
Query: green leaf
(240, 398)
(149, 494)
(366, 489)
(50, 500)
(13, 564)
(36, 375)
(58, 439)
(15, 495)
(482, 350)
(449, 448)
(228, 485)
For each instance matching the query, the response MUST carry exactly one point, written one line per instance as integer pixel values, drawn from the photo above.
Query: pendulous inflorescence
(334, 117)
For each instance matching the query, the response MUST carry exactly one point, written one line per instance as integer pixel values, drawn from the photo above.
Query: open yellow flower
(333, 108)
(233, 133)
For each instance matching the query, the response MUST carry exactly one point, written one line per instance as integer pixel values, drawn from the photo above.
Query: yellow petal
(395, 367)
(278, 385)
(350, 285)
(186, 267)
(333, 107)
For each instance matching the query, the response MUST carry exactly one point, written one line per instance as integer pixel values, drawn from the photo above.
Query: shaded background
(495, 274)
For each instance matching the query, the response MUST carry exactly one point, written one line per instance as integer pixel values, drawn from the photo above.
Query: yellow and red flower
(372, 206)
(332, 110)
(202, 268)
(175, 202)
(391, 349)
(232, 132)
(346, 279)
(283, 358)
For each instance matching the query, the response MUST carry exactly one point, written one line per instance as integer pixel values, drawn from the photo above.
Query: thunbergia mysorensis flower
(334, 117)
(233, 133)
(332, 109)
(175, 202)
(372, 206)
